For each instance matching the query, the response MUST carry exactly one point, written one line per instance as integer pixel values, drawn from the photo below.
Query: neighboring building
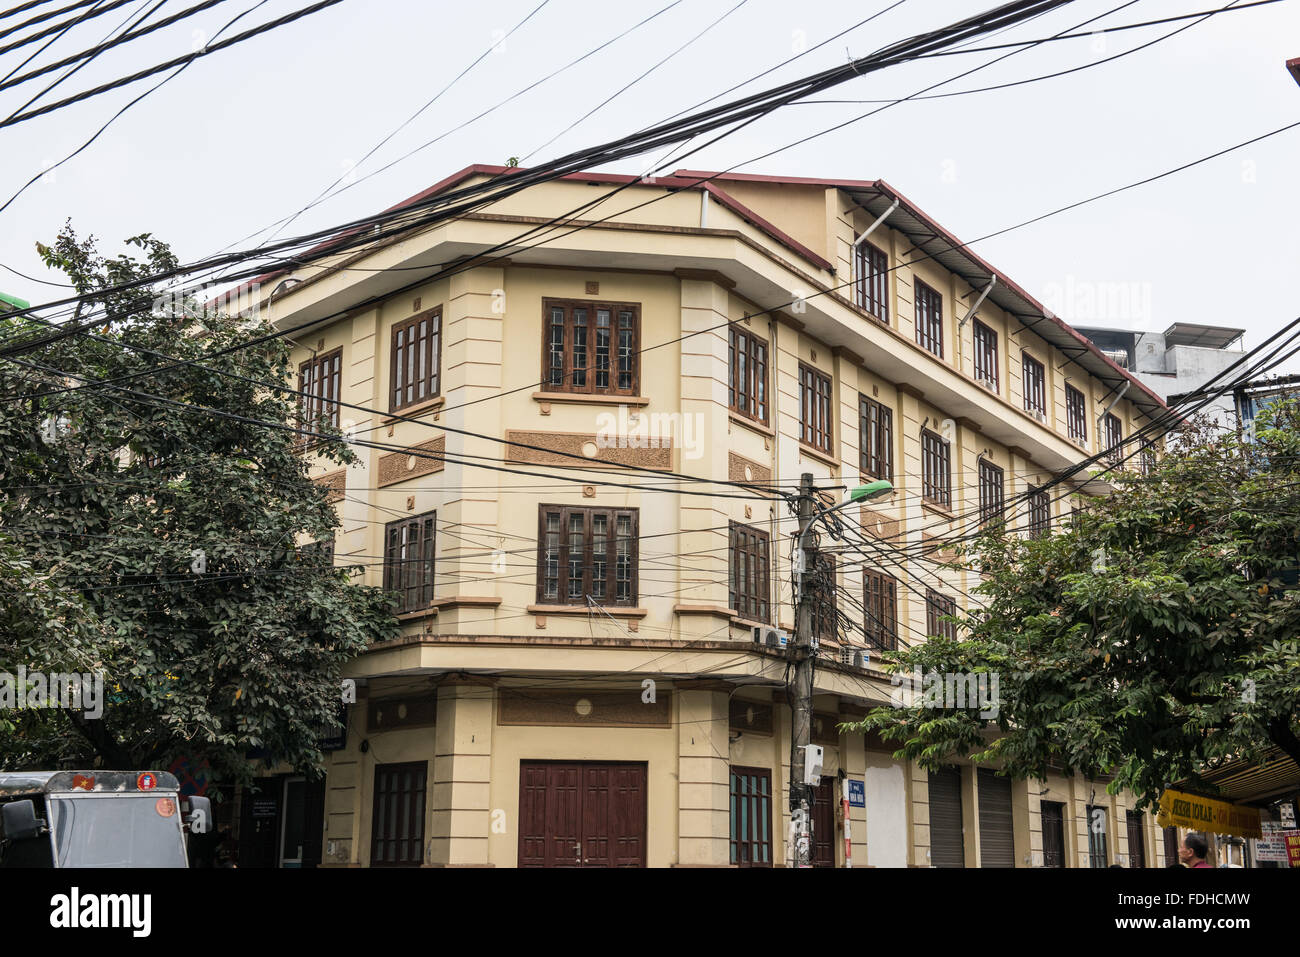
(10, 303)
(576, 682)
(1251, 398)
(1172, 363)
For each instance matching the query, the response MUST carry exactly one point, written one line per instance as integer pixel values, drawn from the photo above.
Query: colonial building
(584, 436)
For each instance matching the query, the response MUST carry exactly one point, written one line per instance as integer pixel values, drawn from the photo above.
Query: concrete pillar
(919, 801)
(462, 764)
(703, 776)
(853, 761)
(704, 402)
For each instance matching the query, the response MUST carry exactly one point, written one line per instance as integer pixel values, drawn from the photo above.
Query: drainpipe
(704, 209)
(853, 256)
(1101, 418)
(993, 281)
(979, 301)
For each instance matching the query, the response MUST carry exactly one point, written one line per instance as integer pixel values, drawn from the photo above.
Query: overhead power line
(169, 64)
(95, 11)
(108, 45)
(507, 184)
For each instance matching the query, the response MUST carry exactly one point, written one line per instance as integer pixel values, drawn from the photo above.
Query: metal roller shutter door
(946, 844)
(996, 846)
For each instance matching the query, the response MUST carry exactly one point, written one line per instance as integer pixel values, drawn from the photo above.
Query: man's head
(1194, 849)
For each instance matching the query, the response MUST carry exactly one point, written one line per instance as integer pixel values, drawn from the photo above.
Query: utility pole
(802, 651)
(800, 690)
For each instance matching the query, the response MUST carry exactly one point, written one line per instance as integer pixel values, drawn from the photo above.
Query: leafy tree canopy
(1150, 638)
(159, 542)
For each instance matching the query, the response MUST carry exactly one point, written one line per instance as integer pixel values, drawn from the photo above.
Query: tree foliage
(154, 523)
(1148, 639)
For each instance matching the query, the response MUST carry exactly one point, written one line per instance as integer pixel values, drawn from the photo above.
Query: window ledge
(754, 424)
(938, 510)
(585, 398)
(719, 610)
(825, 458)
(448, 603)
(415, 411)
(614, 611)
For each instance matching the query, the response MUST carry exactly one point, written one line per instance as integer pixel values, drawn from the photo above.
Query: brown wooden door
(1053, 818)
(259, 822)
(582, 814)
(1170, 836)
(823, 822)
(1137, 853)
(550, 802)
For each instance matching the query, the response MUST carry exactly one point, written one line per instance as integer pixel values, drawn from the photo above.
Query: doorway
(582, 814)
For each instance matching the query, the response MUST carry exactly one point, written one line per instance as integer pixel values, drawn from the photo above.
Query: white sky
(251, 134)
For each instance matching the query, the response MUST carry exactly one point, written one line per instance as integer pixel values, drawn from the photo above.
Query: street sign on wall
(1272, 845)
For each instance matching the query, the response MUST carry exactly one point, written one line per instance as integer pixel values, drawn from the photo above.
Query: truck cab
(95, 819)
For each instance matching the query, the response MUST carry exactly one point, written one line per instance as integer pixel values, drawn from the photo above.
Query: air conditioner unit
(853, 657)
(769, 636)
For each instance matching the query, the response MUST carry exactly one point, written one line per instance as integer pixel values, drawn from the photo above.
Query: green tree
(1149, 638)
(170, 534)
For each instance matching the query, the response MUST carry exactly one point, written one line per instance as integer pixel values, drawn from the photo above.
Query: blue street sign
(857, 793)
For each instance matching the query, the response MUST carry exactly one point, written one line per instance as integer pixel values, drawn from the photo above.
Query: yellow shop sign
(1197, 813)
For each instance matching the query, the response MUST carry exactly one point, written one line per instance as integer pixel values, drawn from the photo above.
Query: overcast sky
(251, 134)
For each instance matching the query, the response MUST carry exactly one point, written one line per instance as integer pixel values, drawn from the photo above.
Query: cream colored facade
(488, 678)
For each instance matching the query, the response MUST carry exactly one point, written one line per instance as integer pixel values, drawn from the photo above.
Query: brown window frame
(315, 406)
(1040, 512)
(937, 604)
(410, 848)
(936, 469)
(747, 848)
(591, 309)
(412, 579)
(1098, 849)
(1033, 382)
(308, 552)
(872, 281)
(984, 342)
(749, 572)
(1113, 436)
(825, 621)
(1076, 415)
(564, 559)
(880, 610)
(875, 439)
(814, 384)
(992, 492)
(929, 318)
(1147, 458)
(404, 356)
(748, 398)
